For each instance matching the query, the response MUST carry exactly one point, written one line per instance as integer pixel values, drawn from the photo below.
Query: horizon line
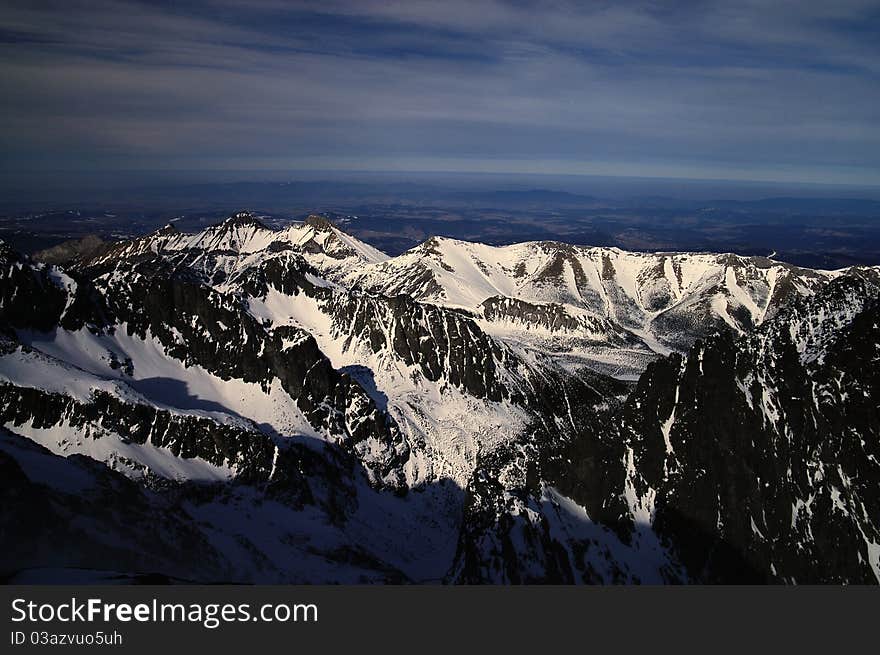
(387, 171)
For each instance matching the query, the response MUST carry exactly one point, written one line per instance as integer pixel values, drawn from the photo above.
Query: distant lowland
(818, 227)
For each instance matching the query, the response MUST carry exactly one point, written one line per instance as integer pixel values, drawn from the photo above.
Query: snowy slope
(579, 300)
(81, 430)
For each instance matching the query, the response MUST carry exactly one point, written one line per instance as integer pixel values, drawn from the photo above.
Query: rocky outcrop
(247, 453)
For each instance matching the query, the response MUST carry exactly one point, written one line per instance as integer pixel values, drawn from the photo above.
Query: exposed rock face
(442, 344)
(28, 295)
(556, 318)
(786, 490)
(752, 460)
(319, 222)
(89, 247)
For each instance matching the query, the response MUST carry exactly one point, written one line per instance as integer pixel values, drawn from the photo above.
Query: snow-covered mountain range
(295, 406)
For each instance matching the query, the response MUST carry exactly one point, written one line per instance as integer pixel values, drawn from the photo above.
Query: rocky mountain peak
(166, 230)
(7, 252)
(320, 223)
(243, 218)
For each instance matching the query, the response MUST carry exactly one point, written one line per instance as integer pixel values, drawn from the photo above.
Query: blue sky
(786, 90)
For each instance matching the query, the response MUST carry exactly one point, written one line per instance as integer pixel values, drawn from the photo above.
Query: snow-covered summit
(243, 234)
(577, 299)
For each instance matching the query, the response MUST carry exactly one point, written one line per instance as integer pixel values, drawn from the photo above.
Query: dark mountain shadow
(134, 535)
(364, 377)
(176, 393)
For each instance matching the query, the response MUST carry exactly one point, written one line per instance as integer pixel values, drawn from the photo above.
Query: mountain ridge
(526, 428)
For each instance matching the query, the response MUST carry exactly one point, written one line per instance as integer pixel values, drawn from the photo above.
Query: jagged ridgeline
(247, 404)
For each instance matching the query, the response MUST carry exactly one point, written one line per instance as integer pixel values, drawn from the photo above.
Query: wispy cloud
(785, 89)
